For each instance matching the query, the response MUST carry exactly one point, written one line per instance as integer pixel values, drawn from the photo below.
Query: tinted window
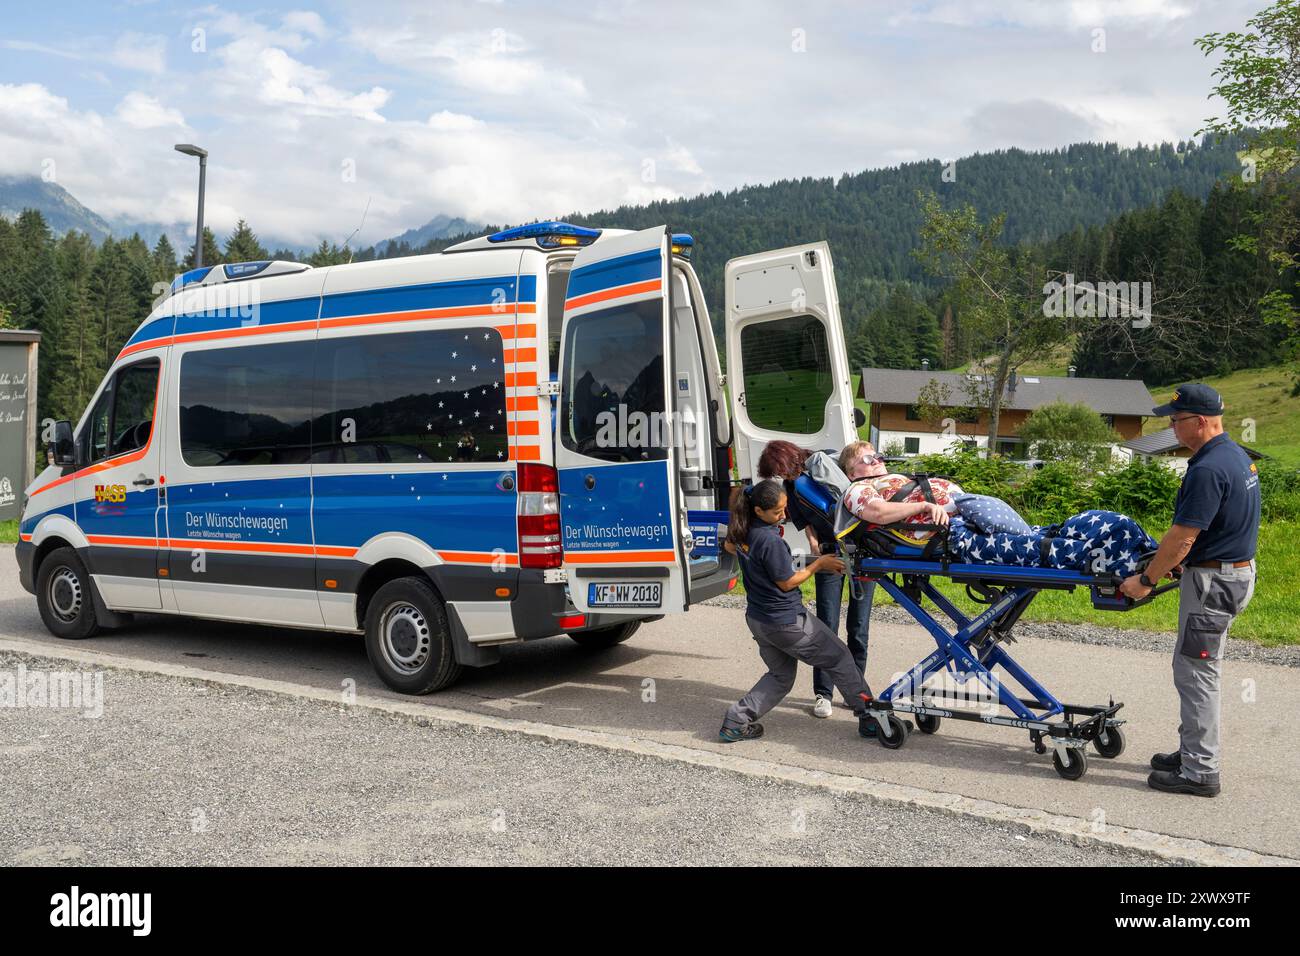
(247, 406)
(430, 396)
(612, 398)
(787, 371)
(123, 415)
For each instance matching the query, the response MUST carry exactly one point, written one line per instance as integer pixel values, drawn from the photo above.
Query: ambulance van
(526, 435)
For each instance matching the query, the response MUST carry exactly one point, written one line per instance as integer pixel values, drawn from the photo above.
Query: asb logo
(113, 494)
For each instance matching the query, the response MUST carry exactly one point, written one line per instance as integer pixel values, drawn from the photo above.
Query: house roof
(1106, 396)
(1163, 442)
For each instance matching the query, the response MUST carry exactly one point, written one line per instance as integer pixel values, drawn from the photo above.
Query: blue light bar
(242, 270)
(190, 278)
(683, 243)
(549, 235)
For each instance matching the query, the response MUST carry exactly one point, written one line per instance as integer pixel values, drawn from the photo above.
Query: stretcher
(968, 655)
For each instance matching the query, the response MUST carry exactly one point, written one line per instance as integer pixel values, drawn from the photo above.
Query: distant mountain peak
(60, 208)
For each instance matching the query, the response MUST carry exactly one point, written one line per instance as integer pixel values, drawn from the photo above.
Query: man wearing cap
(1213, 537)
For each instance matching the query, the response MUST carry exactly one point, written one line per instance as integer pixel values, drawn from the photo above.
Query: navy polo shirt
(767, 562)
(1220, 495)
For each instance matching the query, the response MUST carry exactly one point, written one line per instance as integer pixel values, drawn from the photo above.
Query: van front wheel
(407, 638)
(63, 596)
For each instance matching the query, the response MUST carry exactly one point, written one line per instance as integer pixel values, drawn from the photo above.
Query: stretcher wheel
(1114, 745)
(1077, 766)
(892, 733)
(928, 723)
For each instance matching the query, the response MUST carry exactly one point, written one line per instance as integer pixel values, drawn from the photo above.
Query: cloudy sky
(510, 110)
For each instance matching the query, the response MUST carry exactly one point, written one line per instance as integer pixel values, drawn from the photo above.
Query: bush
(1279, 489)
(1139, 489)
(981, 476)
(1060, 430)
(1055, 492)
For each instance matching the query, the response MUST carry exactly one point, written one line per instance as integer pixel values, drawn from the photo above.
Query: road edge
(1077, 830)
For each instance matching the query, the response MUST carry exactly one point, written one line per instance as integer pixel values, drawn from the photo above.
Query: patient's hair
(782, 459)
(765, 495)
(851, 453)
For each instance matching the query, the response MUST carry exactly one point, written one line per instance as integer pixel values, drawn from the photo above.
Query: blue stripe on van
(433, 295)
(29, 523)
(623, 270)
(248, 314)
(155, 329)
(279, 510)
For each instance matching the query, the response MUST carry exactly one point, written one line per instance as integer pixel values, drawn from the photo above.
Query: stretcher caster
(928, 723)
(1109, 743)
(892, 733)
(1076, 766)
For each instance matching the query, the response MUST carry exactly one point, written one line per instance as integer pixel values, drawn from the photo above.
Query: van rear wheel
(604, 637)
(407, 638)
(63, 596)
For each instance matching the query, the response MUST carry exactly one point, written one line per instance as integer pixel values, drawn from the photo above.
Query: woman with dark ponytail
(783, 629)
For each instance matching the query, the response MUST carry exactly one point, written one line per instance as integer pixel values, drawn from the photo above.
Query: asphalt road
(671, 683)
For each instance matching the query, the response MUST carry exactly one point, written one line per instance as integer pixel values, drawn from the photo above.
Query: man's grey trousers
(782, 647)
(1208, 600)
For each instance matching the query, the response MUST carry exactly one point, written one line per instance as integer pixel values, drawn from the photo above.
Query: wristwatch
(1145, 581)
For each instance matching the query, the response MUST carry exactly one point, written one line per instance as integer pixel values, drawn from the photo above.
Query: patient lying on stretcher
(1095, 542)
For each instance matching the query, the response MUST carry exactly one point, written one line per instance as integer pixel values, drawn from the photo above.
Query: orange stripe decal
(617, 292)
(617, 557)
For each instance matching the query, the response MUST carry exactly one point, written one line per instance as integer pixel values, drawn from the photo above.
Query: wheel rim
(65, 595)
(404, 637)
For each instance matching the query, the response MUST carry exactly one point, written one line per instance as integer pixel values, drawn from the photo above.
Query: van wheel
(407, 638)
(605, 637)
(63, 596)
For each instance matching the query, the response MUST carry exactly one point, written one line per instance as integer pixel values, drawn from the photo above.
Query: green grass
(1269, 620)
(9, 531)
(1262, 395)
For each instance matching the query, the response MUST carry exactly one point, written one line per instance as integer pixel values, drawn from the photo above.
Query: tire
(928, 723)
(892, 725)
(408, 640)
(1077, 766)
(1114, 745)
(64, 596)
(605, 637)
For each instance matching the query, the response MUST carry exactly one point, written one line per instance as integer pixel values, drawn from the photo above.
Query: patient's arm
(880, 511)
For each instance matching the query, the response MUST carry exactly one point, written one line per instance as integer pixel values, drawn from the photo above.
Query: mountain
(439, 227)
(61, 210)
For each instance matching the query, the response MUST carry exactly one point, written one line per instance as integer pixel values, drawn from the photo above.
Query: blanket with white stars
(1095, 542)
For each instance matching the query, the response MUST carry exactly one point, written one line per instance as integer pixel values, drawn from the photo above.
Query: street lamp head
(190, 150)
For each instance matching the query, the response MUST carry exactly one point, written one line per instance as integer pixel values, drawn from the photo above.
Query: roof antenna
(356, 230)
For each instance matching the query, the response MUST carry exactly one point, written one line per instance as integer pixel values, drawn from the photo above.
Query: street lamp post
(202, 154)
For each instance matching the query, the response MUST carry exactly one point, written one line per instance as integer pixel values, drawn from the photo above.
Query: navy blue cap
(1195, 399)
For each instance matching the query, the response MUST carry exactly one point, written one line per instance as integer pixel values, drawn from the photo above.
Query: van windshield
(612, 396)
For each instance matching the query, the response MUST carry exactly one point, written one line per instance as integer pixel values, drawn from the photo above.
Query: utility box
(17, 418)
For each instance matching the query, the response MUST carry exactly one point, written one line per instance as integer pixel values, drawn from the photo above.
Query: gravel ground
(1156, 641)
(177, 772)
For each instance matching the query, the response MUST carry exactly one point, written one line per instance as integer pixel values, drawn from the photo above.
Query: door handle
(589, 481)
(142, 481)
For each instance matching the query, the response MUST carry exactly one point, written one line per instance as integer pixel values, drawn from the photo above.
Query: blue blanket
(1095, 542)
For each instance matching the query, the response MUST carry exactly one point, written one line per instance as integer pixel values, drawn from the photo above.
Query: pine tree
(211, 254)
(242, 246)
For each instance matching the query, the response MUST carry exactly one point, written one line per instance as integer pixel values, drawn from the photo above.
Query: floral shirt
(886, 486)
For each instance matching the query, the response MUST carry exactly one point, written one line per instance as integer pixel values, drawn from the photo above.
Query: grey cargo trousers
(782, 647)
(1208, 600)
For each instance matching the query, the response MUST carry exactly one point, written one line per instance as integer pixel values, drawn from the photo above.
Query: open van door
(787, 363)
(623, 522)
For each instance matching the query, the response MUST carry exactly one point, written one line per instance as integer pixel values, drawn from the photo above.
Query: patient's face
(869, 465)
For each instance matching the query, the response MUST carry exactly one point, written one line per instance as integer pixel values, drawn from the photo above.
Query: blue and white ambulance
(526, 435)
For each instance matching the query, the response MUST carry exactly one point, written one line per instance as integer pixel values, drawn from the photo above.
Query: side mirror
(859, 417)
(61, 452)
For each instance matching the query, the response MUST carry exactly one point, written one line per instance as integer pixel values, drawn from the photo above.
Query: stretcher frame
(975, 648)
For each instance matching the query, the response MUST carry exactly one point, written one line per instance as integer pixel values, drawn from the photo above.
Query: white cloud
(142, 52)
(142, 111)
(448, 122)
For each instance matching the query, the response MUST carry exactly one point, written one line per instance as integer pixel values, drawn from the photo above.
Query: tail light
(539, 517)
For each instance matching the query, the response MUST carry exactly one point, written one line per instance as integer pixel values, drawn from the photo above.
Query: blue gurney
(967, 654)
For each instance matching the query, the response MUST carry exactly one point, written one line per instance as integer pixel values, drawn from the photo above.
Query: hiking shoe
(1169, 763)
(1168, 782)
(731, 735)
(822, 708)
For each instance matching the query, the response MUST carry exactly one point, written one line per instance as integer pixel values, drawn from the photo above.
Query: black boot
(1169, 763)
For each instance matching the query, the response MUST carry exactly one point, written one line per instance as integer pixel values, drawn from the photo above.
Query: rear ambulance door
(787, 364)
(622, 521)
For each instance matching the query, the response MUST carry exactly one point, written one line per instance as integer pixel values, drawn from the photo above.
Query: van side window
(557, 287)
(612, 392)
(249, 405)
(435, 396)
(122, 418)
(788, 376)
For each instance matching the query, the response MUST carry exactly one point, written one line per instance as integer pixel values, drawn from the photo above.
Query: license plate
(625, 595)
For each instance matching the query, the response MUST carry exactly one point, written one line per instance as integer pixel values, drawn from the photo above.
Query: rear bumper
(25, 552)
(538, 608)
